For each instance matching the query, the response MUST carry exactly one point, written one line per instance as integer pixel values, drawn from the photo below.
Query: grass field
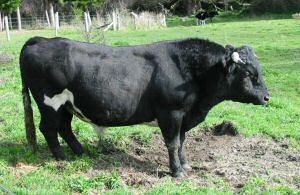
(277, 43)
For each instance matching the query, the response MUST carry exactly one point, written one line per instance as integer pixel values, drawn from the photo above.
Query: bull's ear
(228, 63)
(229, 49)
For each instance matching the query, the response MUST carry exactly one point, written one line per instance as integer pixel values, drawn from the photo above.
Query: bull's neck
(212, 89)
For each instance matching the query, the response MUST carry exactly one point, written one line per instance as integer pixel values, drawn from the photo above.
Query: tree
(9, 5)
(85, 4)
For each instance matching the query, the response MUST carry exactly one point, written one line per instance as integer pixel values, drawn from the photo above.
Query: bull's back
(108, 84)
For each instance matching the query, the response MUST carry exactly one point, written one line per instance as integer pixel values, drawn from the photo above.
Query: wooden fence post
(47, 18)
(89, 19)
(19, 19)
(114, 17)
(164, 22)
(136, 17)
(7, 28)
(56, 23)
(86, 22)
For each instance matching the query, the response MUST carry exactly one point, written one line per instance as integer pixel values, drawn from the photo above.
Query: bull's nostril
(267, 98)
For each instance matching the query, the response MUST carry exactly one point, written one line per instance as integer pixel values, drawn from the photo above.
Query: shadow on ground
(218, 153)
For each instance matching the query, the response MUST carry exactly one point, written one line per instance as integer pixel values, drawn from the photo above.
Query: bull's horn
(236, 58)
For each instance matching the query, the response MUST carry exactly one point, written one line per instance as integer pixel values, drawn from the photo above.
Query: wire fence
(40, 22)
(77, 26)
(121, 20)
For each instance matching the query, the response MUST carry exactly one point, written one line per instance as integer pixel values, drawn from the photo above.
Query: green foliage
(275, 6)
(9, 5)
(86, 4)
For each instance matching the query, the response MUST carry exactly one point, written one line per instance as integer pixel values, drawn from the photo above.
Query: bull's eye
(251, 75)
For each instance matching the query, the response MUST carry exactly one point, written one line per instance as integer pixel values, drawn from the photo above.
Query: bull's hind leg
(49, 126)
(66, 133)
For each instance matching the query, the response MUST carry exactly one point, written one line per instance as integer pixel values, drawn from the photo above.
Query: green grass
(276, 43)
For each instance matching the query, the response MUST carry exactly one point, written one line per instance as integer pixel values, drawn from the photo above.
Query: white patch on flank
(60, 99)
(67, 96)
(236, 58)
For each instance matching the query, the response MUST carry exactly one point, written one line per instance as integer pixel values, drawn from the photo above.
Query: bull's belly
(100, 114)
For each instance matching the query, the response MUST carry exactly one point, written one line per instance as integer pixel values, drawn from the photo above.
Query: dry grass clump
(296, 15)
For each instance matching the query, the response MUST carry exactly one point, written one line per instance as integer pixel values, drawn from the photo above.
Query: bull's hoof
(186, 167)
(77, 149)
(58, 154)
(79, 152)
(179, 174)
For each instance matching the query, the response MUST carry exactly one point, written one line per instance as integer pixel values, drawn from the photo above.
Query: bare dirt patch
(218, 152)
(21, 169)
(4, 58)
(2, 81)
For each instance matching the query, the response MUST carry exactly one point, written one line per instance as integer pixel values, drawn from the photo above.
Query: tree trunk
(52, 17)
(118, 20)
(10, 22)
(47, 18)
(191, 6)
(226, 5)
(98, 18)
(0, 21)
(19, 19)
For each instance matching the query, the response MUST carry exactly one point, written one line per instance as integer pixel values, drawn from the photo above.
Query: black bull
(173, 82)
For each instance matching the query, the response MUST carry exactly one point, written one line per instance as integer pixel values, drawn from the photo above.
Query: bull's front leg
(181, 153)
(170, 124)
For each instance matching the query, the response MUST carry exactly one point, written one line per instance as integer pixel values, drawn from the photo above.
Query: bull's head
(244, 76)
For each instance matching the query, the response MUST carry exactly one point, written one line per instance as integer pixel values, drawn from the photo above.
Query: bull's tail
(28, 116)
(28, 113)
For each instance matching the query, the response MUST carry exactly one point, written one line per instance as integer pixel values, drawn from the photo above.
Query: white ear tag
(236, 58)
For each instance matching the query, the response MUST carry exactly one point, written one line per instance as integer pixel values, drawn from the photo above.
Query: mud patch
(2, 81)
(218, 152)
(2, 121)
(21, 169)
(4, 58)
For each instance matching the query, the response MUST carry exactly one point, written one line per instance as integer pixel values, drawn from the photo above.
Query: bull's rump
(111, 86)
